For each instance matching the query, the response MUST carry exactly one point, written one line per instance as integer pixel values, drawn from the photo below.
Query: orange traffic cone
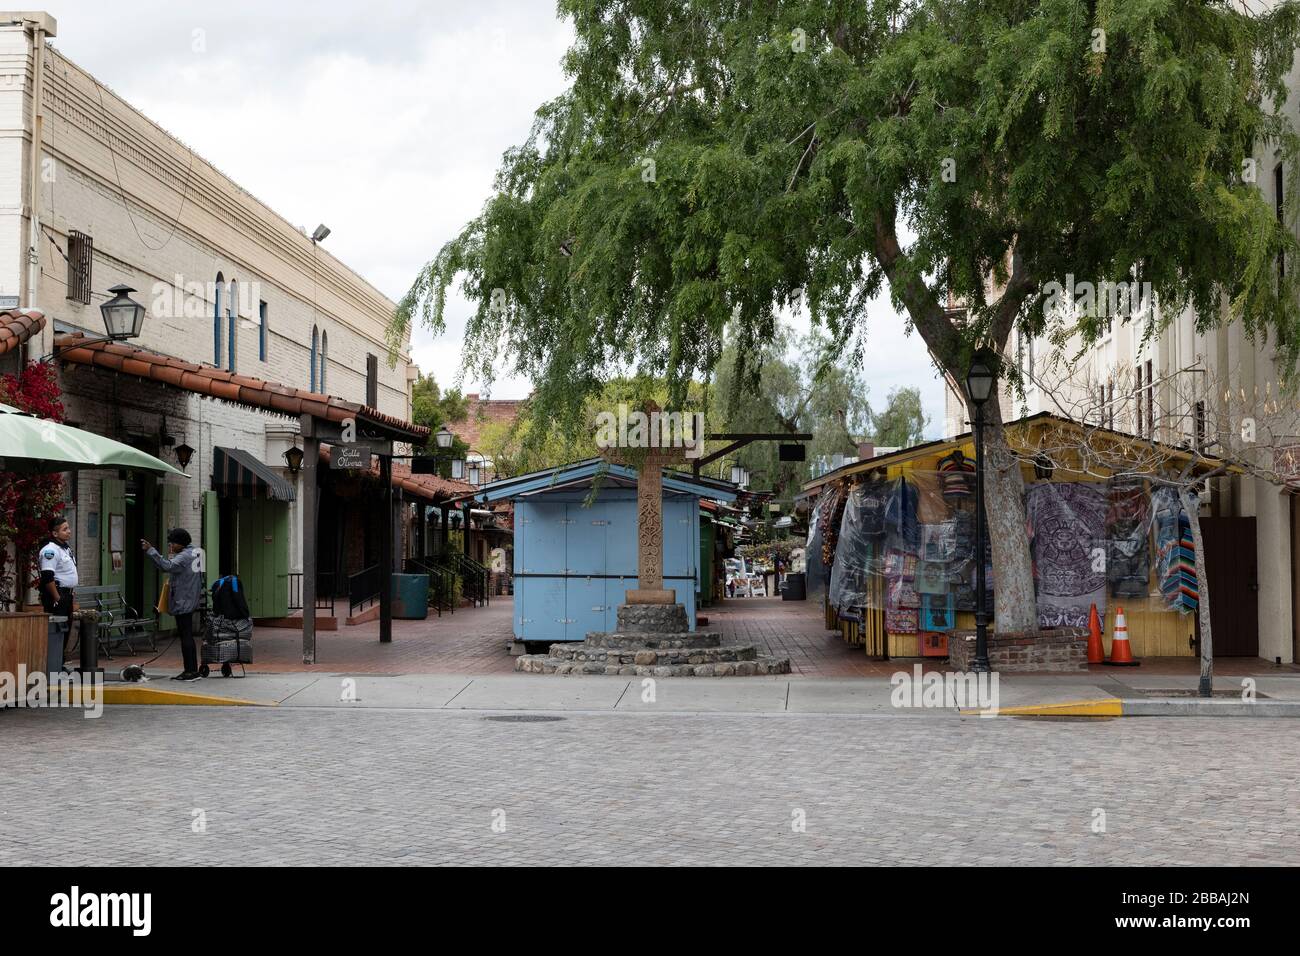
(1096, 652)
(1120, 655)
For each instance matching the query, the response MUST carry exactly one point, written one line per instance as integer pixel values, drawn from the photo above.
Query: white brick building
(228, 284)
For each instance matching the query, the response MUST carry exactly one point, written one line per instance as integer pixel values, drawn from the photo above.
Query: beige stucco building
(94, 194)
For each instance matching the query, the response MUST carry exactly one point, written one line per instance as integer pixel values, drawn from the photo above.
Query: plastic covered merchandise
(1128, 532)
(815, 567)
(856, 550)
(832, 512)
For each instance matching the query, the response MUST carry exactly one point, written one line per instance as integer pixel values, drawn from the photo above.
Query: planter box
(24, 640)
(1060, 650)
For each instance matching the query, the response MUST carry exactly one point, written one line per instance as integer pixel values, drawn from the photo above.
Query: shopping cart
(227, 641)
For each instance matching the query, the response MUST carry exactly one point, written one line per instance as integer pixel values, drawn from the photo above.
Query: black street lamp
(431, 464)
(981, 379)
(122, 315)
(293, 459)
(123, 319)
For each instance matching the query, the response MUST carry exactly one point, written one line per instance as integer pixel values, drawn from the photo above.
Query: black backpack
(228, 598)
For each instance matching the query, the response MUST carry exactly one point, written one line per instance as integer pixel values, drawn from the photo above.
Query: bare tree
(1179, 432)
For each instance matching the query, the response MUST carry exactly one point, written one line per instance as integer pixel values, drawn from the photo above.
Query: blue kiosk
(576, 551)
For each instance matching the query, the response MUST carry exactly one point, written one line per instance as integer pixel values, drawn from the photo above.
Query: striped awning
(237, 474)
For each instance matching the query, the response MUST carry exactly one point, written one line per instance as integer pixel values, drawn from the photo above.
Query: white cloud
(386, 121)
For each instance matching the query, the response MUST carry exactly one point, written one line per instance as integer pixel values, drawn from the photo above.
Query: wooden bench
(118, 621)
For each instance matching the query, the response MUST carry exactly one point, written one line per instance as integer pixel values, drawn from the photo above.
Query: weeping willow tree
(715, 162)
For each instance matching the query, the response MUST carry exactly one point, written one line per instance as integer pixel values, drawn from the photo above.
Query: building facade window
(81, 257)
(1278, 204)
(372, 381)
(315, 345)
(216, 324)
(261, 331)
(324, 362)
(232, 320)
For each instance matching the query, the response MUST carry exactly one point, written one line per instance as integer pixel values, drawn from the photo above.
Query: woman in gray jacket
(186, 569)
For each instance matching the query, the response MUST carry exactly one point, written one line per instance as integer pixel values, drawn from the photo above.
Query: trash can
(796, 587)
(411, 596)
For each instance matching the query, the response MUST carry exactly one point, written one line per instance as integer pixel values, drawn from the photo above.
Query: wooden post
(386, 552)
(310, 499)
(464, 540)
(422, 513)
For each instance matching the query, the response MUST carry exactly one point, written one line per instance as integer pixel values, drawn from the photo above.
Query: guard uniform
(58, 565)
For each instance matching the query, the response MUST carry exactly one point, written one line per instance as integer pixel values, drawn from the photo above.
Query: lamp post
(981, 379)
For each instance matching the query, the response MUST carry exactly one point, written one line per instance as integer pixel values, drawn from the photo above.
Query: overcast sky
(384, 120)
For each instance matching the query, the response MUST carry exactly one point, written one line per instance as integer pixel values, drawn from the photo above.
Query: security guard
(58, 572)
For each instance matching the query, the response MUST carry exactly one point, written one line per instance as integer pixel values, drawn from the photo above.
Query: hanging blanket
(1067, 526)
(1175, 552)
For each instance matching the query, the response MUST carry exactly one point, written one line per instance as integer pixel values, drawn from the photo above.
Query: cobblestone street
(394, 786)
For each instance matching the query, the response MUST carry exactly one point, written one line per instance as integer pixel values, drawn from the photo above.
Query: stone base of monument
(654, 640)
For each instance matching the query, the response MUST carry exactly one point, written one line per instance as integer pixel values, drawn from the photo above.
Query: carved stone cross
(650, 520)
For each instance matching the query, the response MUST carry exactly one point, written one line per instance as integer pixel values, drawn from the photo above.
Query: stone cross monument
(650, 517)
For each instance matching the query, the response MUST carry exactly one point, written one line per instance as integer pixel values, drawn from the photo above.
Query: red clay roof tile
(17, 326)
(205, 380)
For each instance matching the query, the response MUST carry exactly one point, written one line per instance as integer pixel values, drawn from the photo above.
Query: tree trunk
(1014, 606)
(1205, 688)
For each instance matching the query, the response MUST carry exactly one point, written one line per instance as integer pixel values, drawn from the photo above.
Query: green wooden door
(277, 526)
(211, 538)
(263, 550)
(112, 532)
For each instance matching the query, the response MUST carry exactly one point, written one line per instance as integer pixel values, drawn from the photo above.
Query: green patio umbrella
(34, 446)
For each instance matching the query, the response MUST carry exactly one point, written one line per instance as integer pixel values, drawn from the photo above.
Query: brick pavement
(475, 641)
(352, 787)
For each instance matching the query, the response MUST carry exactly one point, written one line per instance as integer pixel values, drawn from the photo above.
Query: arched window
(315, 342)
(216, 325)
(232, 320)
(324, 361)
(261, 330)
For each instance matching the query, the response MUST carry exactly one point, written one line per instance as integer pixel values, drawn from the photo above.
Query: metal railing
(474, 577)
(324, 585)
(363, 589)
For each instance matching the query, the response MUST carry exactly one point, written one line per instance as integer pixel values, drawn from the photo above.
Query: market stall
(895, 536)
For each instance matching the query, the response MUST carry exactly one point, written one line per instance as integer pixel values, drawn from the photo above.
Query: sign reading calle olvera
(351, 457)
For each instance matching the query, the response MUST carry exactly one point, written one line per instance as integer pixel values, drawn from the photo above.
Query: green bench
(119, 623)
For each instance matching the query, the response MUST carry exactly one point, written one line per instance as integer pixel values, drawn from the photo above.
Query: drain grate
(524, 718)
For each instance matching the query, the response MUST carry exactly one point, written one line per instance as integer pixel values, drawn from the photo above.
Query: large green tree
(716, 161)
(796, 385)
(903, 421)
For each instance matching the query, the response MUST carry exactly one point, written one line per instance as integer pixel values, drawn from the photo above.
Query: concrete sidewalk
(1153, 695)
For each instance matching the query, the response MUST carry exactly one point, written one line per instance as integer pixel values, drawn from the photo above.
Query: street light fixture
(123, 316)
(443, 437)
(183, 453)
(293, 459)
(980, 382)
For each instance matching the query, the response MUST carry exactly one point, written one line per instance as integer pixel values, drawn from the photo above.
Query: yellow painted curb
(1104, 707)
(135, 694)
